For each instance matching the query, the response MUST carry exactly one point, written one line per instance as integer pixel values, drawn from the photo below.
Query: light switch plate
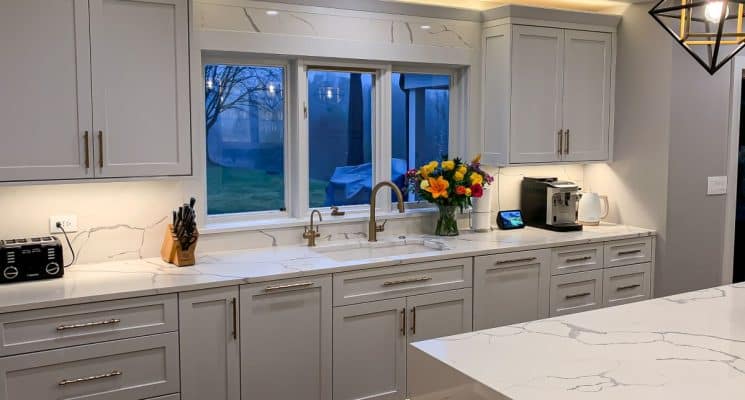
(69, 222)
(716, 185)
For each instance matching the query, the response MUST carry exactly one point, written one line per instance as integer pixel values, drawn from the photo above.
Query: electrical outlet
(69, 222)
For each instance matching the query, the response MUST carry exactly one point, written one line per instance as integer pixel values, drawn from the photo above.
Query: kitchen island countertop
(683, 347)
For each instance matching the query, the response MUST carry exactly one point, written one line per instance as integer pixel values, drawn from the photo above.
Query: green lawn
(236, 190)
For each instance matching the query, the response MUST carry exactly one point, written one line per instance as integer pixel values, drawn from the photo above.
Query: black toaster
(30, 259)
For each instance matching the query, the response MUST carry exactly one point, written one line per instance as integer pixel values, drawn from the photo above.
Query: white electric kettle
(590, 209)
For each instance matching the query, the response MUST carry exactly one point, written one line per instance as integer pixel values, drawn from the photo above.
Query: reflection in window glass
(421, 120)
(245, 138)
(340, 130)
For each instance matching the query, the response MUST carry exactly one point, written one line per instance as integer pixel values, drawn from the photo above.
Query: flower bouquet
(450, 184)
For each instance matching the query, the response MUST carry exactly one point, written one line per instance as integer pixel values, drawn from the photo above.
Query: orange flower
(438, 187)
(460, 190)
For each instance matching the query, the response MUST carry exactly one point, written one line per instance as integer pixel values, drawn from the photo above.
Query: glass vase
(447, 225)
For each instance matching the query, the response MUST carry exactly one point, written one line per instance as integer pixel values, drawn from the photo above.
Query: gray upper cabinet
(45, 90)
(286, 339)
(210, 355)
(140, 68)
(547, 94)
(93, 89)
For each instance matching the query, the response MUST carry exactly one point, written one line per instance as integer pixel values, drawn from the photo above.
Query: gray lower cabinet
(286, 339)
(370, 340)
(210, 357)
(511, 288)
(136, 368)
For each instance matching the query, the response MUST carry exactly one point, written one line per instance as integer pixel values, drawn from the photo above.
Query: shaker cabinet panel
(45, 94)
(439, 314)
(286, 339)
(536, 104)
(370, 350)
(587, 69)
(140, 68)
(511, 288)
(210, 363)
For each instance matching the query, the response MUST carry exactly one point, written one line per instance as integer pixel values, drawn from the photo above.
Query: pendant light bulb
(713, 11)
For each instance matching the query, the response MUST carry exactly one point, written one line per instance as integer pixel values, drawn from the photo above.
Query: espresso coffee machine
(550, 203)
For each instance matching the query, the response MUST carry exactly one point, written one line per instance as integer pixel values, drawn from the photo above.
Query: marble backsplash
(127, 220)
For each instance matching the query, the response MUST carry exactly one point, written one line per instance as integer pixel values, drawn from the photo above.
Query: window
(420, 121)
(245, 122)
(340, 137)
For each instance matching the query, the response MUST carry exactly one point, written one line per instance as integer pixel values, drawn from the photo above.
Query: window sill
(287, 222)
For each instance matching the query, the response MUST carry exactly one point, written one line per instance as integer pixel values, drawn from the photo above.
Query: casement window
(286, 137)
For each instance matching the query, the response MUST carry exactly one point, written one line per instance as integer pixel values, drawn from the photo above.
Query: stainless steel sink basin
(367, 250)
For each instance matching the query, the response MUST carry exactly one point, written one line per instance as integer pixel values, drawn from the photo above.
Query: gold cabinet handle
(100, 149)
(403, 321)
(561, 142)
(234, 304)
(585, 258)
(89, 324)
(111, 374)
(413, 321)
(526, 259)
(622, 288)
(566, 142)
(403, 281)
(86, 143)
(576, 296)
(290, 286)
(628, 253)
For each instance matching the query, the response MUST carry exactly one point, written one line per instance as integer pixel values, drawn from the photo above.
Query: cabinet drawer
(629, 251)
(626, 284)
(576, 292)
(51, 328)
(580, 258)
(390, 282)
(138, 368)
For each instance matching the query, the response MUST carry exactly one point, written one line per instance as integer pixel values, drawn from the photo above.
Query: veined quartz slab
(684, 347)
(122, 279)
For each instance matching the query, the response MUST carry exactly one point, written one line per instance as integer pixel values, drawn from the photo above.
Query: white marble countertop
(143, 277)
(688, 346)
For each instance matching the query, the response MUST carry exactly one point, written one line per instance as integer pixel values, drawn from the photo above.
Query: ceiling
(605, 6)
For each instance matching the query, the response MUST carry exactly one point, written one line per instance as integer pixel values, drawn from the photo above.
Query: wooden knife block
(171, 251)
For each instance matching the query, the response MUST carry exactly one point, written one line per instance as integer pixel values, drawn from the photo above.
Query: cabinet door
(140, 69)
(45, 106)
(286, 340)
(439, 314)
(210, 358)
(537, 80)
(511, 288)
(587, 85)
(370, 350)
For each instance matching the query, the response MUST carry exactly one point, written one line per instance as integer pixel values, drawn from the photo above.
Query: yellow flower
(448, 165)
(476, 159)
(468, 192)
(476, 179)
(424, 185)
(459, 176)
(462, 169)
(438, 187)
(425, 171)
(433, 165)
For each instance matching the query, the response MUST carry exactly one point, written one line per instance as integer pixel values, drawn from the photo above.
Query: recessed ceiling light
(272, 12)
(425, 27)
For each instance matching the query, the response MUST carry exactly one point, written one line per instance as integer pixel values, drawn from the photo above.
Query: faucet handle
(381, 227)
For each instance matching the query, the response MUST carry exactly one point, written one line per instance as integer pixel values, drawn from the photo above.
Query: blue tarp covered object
(353, 184)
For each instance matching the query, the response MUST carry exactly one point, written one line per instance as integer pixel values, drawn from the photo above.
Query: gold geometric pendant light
(711, 31)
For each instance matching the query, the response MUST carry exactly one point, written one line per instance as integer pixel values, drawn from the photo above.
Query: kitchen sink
(371, 250)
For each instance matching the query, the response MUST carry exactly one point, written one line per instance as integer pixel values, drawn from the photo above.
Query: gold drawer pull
(576, 296)
(526, 259)
(620, 288)
(628, 253)
(289, 286)
(412, 280)
(111, 374)
(89, 324)
(585, 258)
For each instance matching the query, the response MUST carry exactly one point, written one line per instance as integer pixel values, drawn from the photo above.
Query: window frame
(252, 215)
(296, 139)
